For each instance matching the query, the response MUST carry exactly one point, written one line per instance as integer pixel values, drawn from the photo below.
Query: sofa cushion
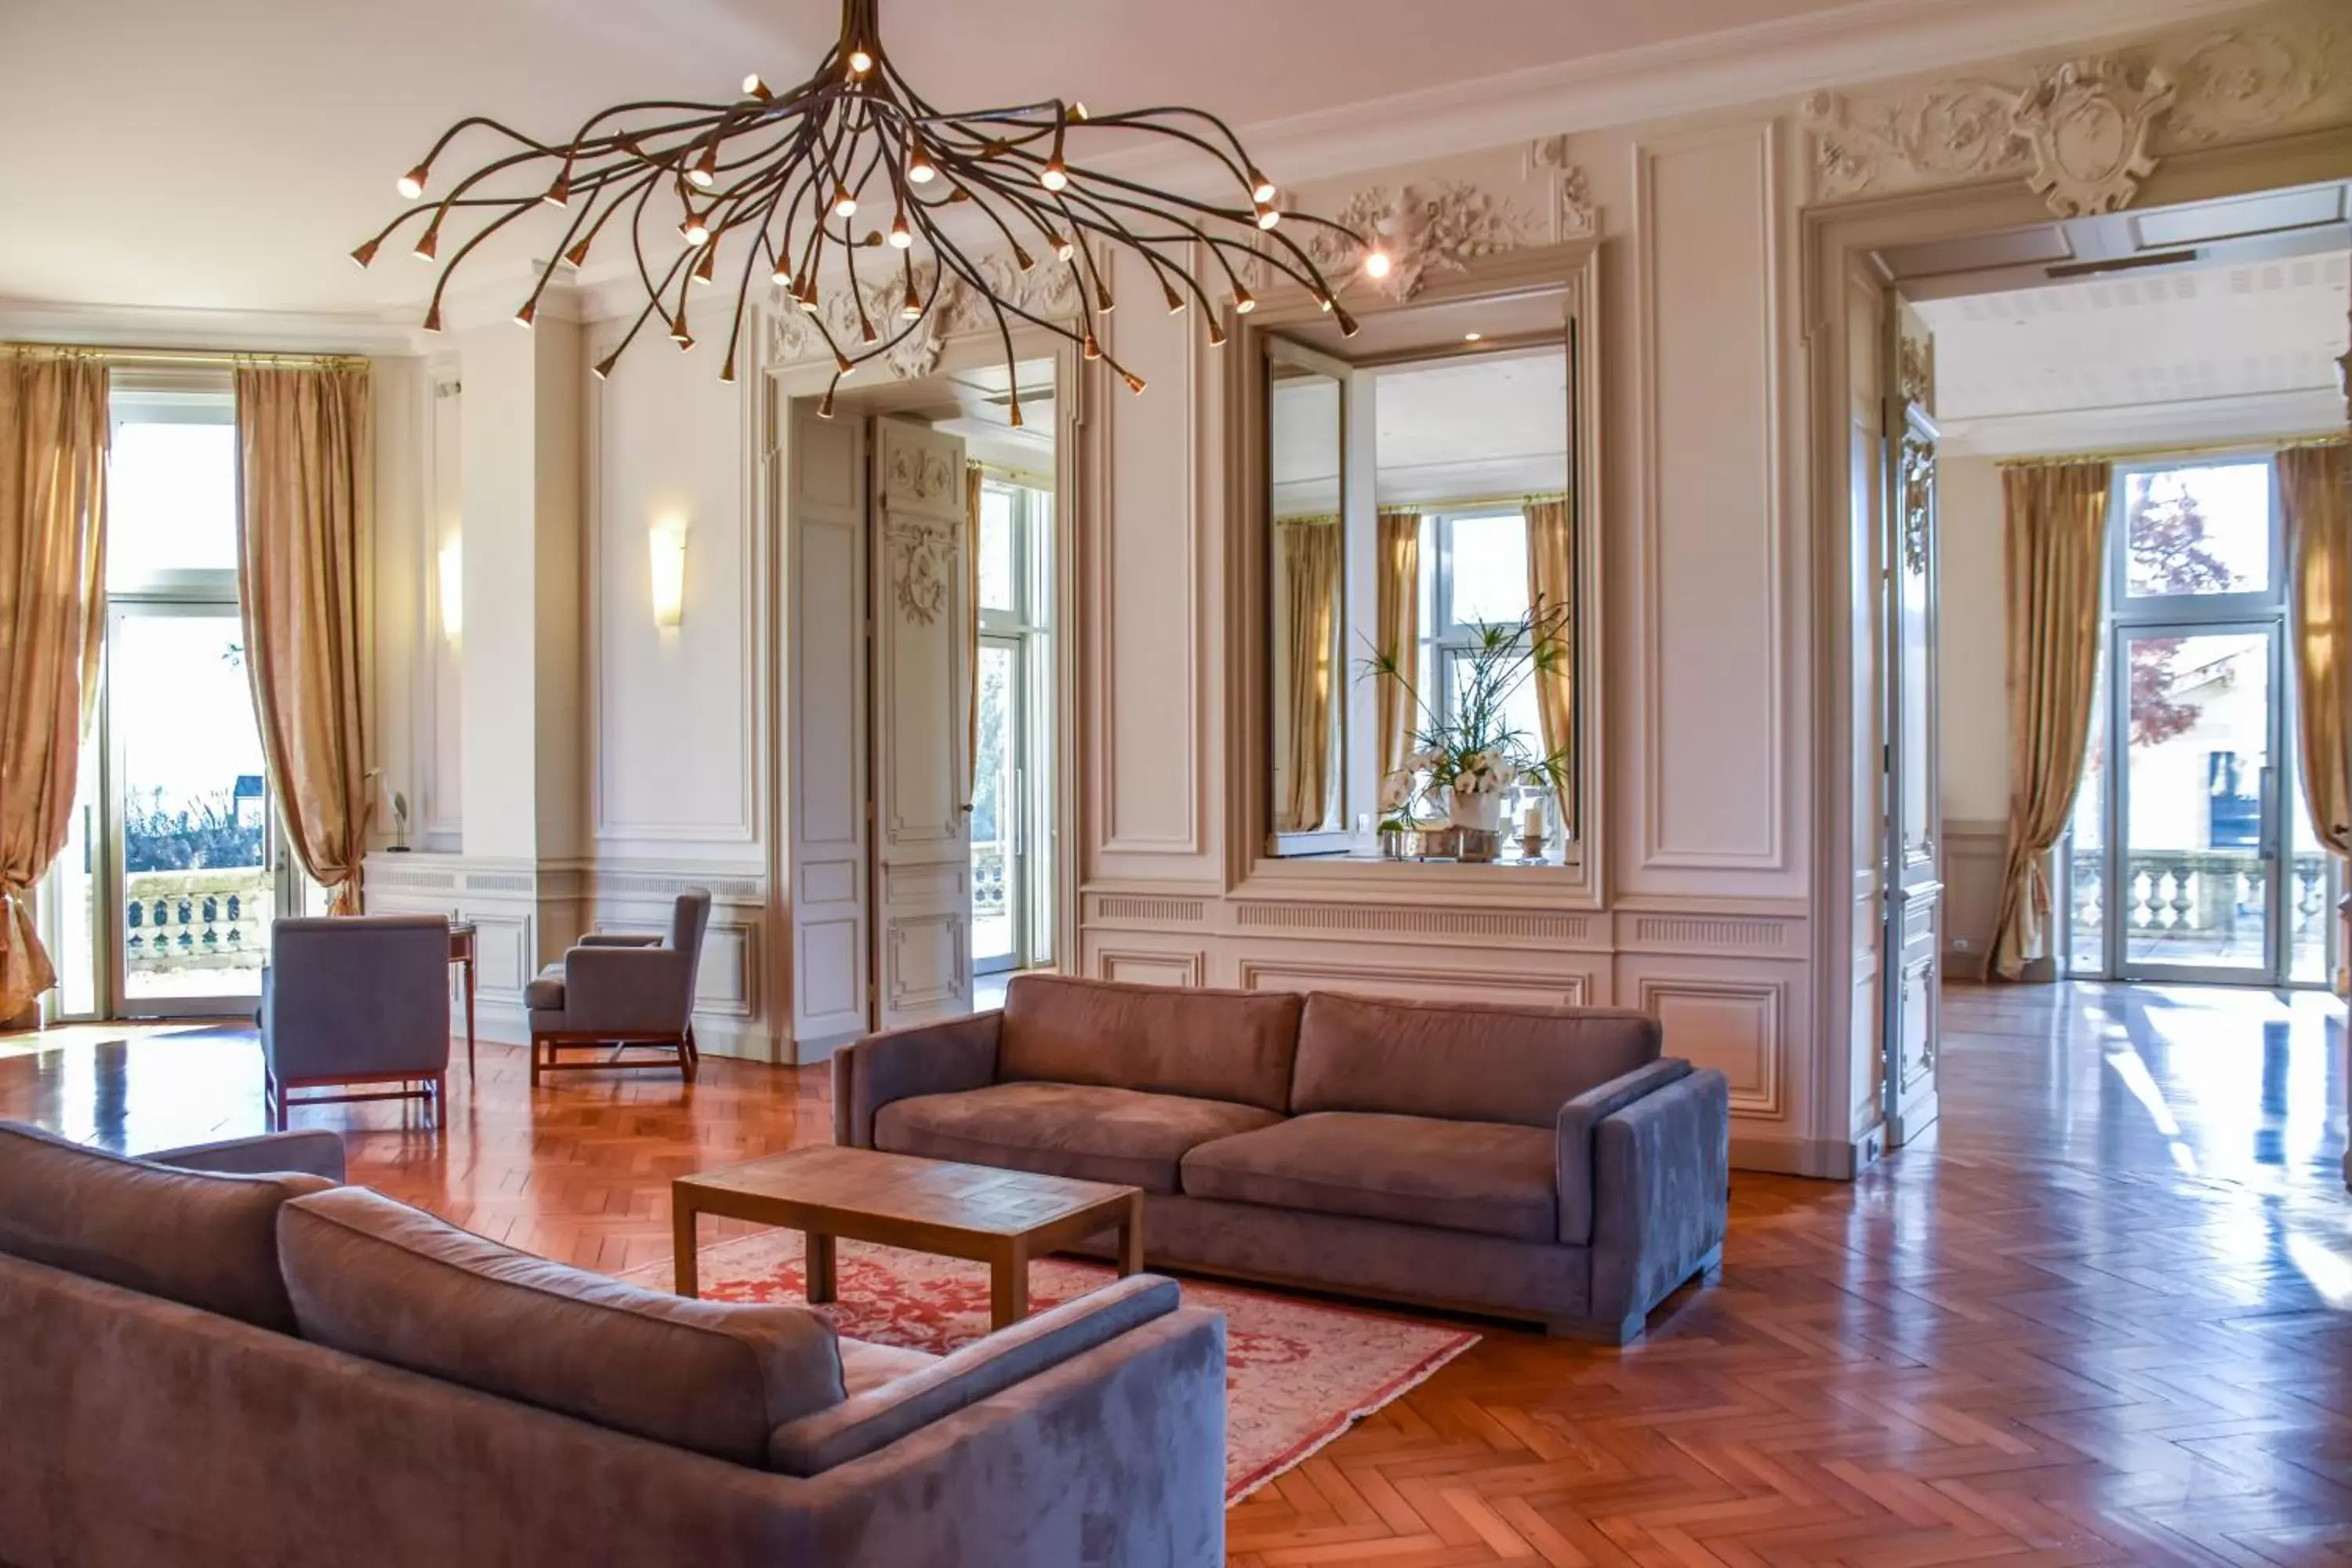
(377, 1278)
(207, 1241)
(1455, 1176)
(1064, 1129)
(866, 1366)
(1461, 1061)
(1234, 1045)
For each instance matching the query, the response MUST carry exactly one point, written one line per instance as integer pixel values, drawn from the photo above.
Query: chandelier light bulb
(605, 367)
(410, 185)
(899, 235)
(1216, 334)
(1377, 263)
(782, 278)
(911, 308)
(433, 316)
(1243, 301)
(707, 265)
(1055, 176)
(1261, 188)
(1023, 259)
(1347, 328)
(695, 231)
(559, 193)
(824, 405)
(1175, 301)
(1093, 349)
(364, 254)
(679, 334)
(523, 316)
(754, 87)
(705, 172)
(1268, 217)
(1063, 248)
(919, 165)
(1078, 111)
(843, 204)
(1134, 382)
(860, 61)
(428, 242)
(578, 254)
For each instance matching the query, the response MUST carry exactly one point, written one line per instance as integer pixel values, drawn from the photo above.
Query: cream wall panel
(1711, 619)
(674, 725)
(440, 810)
(1146, 966)
(1972, 627)
(1143, 619)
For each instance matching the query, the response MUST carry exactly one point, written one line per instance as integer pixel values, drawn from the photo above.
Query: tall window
(1011, 815)
(164, 898)
(1474, 571)
(2192, 854)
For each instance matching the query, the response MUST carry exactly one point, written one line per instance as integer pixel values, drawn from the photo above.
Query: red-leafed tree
(2164, 531)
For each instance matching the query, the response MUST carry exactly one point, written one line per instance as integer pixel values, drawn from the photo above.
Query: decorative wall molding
(920, 555)
(1047, 289)
(1574, 214)
(1146, 909)
(1734, 1026)
(1743, 935)
(2084, 131)
(1431, 225)
(1304, 918)
(1277, 973)
(1149, 967)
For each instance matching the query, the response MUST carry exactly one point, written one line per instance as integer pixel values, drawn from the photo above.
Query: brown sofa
(1542, 1163)
(201, 1369)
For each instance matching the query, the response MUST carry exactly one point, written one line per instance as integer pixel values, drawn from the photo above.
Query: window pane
(2199, 529)
(2087, 849)
(1490, 567)
(998, 589)
(1521, 724)
(171, 501)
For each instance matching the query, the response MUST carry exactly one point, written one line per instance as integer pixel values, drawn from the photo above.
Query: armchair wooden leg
(534, 1061)
(441, 1100)
(689, 1058)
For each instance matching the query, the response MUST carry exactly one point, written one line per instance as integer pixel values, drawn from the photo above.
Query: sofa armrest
(1661, 1185)
(626, 989)
(1579, 1120)
(864, 1422)
(946, 1057)
(315, 1152)
(621, 939)
(1114, 1458)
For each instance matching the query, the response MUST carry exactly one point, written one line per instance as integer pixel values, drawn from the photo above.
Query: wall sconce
(667, 541)
(453, 590)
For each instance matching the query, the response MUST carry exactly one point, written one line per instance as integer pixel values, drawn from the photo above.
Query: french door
(998, 811)
(2196, 884)
(191, 878)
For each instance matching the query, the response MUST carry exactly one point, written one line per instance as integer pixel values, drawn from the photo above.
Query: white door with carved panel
(1913, 941)
(920, 726)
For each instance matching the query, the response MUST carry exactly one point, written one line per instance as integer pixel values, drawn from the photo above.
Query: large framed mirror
(1423, 559)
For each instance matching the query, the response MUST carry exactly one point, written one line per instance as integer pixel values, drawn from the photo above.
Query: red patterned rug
(1299, 1373)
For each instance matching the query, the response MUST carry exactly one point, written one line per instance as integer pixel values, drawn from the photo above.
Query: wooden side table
(461, 954)
(1002, 1218)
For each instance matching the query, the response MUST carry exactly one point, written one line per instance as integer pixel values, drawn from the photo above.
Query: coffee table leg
(822, 1285)
(1008, 1288)
(681, 1223)
(1130, 1237)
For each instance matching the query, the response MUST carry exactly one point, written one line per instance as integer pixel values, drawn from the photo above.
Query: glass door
(192, 884)
(996, 811)
(2194, 890)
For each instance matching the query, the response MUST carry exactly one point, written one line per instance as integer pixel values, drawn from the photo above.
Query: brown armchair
(619, 992)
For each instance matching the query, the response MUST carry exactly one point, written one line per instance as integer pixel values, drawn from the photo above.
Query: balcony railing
(2198, 906)
(186, 932)
(988, 881)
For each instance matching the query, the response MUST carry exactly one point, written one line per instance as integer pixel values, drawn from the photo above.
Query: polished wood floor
(2102, 1315)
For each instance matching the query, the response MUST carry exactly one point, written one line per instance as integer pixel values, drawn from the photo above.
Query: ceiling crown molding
(1873, 41)
(174, 327)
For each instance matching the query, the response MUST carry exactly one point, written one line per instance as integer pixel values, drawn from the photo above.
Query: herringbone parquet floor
(2103, 1315)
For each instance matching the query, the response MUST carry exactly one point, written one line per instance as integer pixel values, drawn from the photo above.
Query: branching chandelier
(793, 175)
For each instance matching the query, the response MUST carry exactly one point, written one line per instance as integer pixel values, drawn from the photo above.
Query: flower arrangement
(1461, 763)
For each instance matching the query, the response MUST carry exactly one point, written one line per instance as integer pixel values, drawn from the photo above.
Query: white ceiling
(228, 154)
(2194, 341)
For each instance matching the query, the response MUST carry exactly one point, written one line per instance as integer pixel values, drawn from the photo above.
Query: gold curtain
(53, 447)
(973, 478)
(1309, 610)
(2315, 495)
(2055, 521)
(1397, 607)
(307, 441)
(1551, 584)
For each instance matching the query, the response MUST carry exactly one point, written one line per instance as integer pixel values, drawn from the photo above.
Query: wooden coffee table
(1002, 1218)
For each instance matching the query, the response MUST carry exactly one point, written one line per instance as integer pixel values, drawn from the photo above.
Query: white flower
(1396, 790)
(1420, 762)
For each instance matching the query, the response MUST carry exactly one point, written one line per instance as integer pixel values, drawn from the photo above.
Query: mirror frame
(1569, 270)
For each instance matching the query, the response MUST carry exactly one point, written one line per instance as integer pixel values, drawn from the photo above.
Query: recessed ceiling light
(1471, 337)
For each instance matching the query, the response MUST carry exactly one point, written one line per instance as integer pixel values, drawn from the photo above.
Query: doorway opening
(924, 521)
(2189, 855)
(162, 904)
